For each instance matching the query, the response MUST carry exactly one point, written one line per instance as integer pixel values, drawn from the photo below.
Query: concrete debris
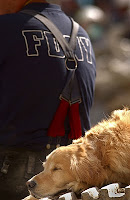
(109, 192)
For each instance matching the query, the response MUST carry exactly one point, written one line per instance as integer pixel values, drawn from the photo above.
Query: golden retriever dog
(101, 157)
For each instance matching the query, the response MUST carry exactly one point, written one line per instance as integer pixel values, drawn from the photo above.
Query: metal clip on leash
(74, 67)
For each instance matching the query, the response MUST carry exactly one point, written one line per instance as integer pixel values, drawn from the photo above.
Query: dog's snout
(31, 184)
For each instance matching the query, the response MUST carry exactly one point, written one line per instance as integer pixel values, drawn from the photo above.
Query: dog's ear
(86, 167)
(80, 164)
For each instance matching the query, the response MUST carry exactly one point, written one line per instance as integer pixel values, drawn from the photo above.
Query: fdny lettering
(54, 49)
(33, 43)
(85, 43)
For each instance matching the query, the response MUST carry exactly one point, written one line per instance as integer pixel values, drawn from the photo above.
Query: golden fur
(101, 157)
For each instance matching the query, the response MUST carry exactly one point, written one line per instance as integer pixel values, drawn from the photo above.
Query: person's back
(33, 75)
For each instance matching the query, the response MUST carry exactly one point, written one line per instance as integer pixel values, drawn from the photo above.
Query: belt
(8, 156)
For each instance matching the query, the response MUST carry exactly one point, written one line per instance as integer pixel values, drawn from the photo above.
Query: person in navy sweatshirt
(33, 75)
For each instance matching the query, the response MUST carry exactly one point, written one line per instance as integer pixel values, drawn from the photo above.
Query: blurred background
(108, 25)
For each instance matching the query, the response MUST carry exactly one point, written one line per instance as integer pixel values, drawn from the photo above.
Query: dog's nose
(31, 184)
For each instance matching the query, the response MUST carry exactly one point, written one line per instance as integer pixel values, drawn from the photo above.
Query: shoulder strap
(68, 47)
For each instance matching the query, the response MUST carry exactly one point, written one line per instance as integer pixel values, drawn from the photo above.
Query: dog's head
(89, 161)
(60, 173)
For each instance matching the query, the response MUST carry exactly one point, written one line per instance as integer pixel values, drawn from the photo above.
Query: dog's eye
(56, 168)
